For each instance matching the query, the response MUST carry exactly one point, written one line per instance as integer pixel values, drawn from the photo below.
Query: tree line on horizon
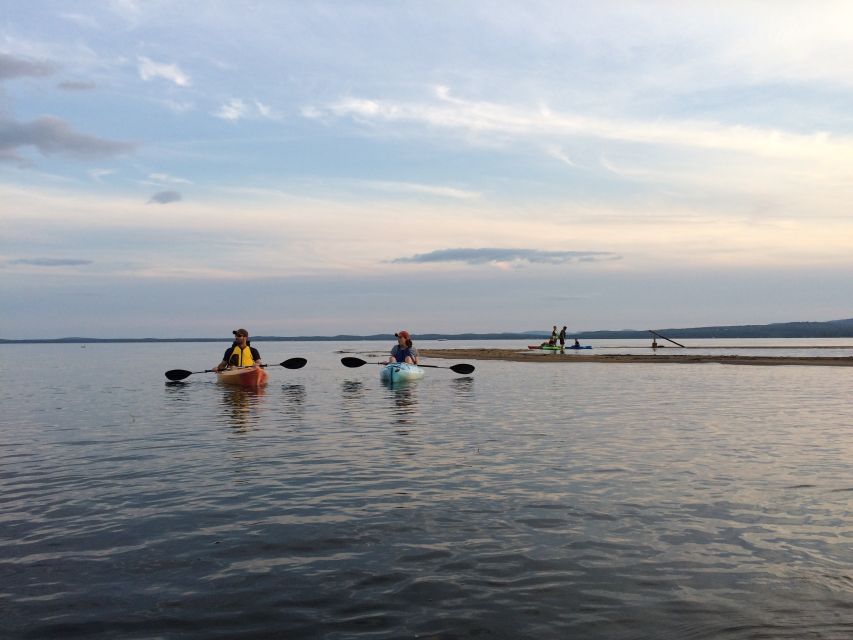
(828, 329)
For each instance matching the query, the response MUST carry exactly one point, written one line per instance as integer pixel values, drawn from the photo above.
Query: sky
(181, 169)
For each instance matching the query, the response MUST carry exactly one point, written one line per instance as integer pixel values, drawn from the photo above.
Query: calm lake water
(523, 501)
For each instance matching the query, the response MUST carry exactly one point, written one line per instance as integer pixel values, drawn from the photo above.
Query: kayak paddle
(180, 374)
(458, 368)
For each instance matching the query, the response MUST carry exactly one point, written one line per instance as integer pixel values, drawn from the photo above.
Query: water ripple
(521, 502)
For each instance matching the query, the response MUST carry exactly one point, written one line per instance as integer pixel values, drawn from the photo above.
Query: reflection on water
(463, 387)
(291, 405)
(176, 390)
(405, 404)
(525, 501)
(352, 389)
(241, 406)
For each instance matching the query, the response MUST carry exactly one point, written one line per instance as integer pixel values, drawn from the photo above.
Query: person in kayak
(403, 351)
(562, 338)
(240, 353)
(577, 344)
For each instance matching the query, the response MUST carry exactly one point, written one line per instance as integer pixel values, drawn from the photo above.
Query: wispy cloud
(53, 136)
(165, 177)
(17, 67)
(165, 197)
(422, 189)
(235, 109)
(97, 174)
(175, 106)
(81, 20)
(51, 262)
(506, 256)
(148, 70)
(266, 111)
(555, 151)
(76, 86)
(488, 120)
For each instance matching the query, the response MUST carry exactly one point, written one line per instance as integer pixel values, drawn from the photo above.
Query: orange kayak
(243, 377)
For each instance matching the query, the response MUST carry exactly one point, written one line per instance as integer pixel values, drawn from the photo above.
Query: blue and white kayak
(400, 372)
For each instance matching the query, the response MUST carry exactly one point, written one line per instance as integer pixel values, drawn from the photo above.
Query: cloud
(491, 122)
(555, 151)
(422, 189)
(165, 197)
(81, 20)
(51, 262)
(76, 86)
(506, 256)
(53, 136)
(234, 110)
(177, 107)
(266, 111)
(165, 177)
(97, 174)
(15, 67)
(148, 70)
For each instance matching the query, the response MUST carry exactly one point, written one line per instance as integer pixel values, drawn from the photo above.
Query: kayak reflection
(405, 400)
(241, 406)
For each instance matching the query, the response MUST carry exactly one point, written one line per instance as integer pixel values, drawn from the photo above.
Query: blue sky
(179, 169)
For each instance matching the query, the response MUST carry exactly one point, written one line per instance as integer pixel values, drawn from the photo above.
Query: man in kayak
(403, 351)
(240, 353)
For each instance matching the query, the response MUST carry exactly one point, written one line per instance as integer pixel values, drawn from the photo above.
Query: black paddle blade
(178, 374)
(463, 368)
(294, 363)
(352, 362)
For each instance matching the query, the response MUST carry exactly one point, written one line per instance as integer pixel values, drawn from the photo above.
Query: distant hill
(830, 329)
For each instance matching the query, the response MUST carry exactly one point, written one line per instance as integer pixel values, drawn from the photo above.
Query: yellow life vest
(244, 357)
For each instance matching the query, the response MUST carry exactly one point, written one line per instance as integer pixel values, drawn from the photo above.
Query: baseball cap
(404, 334)
(240, 332)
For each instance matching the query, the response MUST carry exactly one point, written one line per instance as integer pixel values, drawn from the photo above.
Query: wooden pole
(655, 333)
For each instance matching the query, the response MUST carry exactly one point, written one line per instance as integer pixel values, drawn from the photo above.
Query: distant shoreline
(780, 330)
(510, 355)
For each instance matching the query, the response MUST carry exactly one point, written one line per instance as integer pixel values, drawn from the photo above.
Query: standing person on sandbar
(563, 338)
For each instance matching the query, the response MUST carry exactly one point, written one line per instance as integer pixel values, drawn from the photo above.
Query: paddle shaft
(358, 362)
(180, 374)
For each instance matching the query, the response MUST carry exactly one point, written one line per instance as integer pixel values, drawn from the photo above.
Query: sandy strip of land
(657, 358)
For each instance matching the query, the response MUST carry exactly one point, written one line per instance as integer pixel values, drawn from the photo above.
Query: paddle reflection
(352, 389)
(176, 390)
(293, 402)
(463, 387)
(241, 406)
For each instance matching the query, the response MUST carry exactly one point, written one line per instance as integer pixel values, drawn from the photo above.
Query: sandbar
(514, 355)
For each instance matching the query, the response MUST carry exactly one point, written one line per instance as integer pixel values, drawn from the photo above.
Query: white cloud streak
(475, 118)
(166, 178)
(149, 70)
(421, 189)
(235, 109)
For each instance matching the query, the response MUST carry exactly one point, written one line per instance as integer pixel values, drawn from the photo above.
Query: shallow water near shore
(523, 501)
